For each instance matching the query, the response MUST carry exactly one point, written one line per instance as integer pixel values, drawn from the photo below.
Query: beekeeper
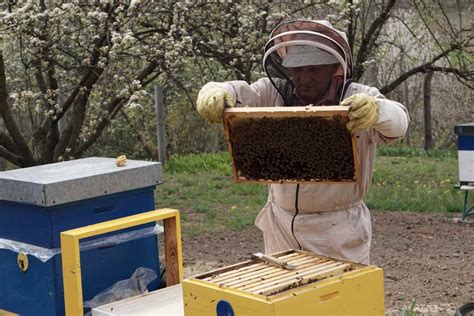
(310, 62)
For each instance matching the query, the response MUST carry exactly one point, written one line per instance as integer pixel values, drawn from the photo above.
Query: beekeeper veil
(303, 43)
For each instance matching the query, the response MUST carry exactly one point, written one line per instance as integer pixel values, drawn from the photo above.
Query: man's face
(312, 82)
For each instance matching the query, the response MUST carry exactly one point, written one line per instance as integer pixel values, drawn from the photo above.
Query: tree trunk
(405, 96)
(160, 124)
(427, 109)
(406, 102)
(373, 69)
(3, 164)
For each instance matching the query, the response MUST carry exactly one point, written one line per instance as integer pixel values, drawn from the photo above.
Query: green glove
(211, 101)
(363, 111)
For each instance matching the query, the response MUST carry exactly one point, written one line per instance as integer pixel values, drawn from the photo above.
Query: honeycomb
(308, 148)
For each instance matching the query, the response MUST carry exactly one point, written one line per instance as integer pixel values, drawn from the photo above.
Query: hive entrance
(270, 146)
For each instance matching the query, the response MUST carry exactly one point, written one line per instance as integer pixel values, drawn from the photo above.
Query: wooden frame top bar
(275, 111)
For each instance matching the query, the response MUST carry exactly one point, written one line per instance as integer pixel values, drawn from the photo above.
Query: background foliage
(77, 77)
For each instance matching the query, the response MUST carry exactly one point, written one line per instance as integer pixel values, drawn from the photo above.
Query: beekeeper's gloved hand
(363, 111)
(212, 99)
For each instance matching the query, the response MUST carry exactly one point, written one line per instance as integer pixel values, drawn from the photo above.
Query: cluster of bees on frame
(310, 148)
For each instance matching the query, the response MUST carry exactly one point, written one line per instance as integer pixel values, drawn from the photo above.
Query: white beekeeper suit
(328, 219)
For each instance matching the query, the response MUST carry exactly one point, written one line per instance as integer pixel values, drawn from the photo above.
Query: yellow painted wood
(201, 299)
(71, 261)
(7, 313)
(122, 223)
(361, 294)
(356, 292)
(72, 277)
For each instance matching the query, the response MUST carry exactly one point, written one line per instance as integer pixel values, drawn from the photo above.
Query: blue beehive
(465, 134)
(38, 203)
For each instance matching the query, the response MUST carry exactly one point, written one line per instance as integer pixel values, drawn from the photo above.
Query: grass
(201, 187)
(415, 184)
(405, 151)
(410, 310)
(405, 179)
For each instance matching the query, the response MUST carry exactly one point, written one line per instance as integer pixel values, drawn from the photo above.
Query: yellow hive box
(318, 286)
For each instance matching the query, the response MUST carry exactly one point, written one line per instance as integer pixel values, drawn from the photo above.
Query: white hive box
(465, 134)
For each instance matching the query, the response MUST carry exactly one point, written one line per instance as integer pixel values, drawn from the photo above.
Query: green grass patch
(405, 179)
(405, 151)
(202, 188)
(415, 184)
(198, 163)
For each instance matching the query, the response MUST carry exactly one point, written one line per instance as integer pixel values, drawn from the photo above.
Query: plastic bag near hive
(291, 144)
(135, 285)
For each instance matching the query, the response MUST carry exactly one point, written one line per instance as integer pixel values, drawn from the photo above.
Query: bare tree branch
(15, 159)
(113, 109)
(151, 152)
(10, 121)
(8, 143)
(69, 138)
(428, 66)
(369, 39)
(88, 79)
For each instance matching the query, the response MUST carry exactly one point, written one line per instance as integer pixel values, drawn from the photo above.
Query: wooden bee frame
(260, 278)
(334, 116)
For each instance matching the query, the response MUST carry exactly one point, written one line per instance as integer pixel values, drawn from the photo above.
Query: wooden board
(253, 116)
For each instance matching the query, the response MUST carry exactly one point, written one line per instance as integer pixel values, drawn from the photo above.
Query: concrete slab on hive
(75, 180)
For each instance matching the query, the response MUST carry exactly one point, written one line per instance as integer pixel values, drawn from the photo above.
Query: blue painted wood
(39, 291)
(27, 293)
(41, 226)
(466, 142)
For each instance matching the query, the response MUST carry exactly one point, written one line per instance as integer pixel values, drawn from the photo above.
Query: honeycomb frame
(271, 115)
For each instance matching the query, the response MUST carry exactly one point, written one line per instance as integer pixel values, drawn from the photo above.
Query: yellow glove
(211, 101)
(363, 111)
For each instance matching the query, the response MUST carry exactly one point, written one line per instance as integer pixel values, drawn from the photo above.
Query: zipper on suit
(294, 216)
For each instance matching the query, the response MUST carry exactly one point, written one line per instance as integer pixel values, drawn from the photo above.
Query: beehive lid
(466, 129)
(291, 144)
(75, 180)
(263, 279)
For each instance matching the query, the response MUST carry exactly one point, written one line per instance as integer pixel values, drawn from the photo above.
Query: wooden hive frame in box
(274, 115)
(318, 285)
(260, 278)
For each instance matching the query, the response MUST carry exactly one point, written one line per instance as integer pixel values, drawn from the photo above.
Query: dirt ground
(425, 256)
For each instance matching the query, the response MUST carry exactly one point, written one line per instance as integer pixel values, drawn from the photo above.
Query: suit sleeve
(261, 93)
